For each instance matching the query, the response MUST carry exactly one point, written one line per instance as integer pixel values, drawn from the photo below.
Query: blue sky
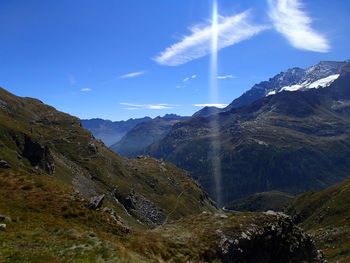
(117, 59)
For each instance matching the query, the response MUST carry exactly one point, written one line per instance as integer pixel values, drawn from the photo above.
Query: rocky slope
(111, 132)
(291, 142)
(144, 134)
(326, 216)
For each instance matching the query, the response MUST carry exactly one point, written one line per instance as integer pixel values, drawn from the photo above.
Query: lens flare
(214, 97)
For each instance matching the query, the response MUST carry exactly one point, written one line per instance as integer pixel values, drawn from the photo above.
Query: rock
(96, 201)
(5, 218)
(142, 208)
(38, 155)
(92, 147)
(2, 226)
(4, 164)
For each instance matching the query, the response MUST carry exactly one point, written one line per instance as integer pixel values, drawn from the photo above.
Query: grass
(326, 215)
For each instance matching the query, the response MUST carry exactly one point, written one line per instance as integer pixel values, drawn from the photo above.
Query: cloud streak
(132, 75)
(86, 89)
(231, 30)
(217, 105)
(133, 106)
(290, 20)
(226, 77)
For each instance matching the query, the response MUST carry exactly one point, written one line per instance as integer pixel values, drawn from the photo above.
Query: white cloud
(134, 106)
(226, 77)
(189, 78)
(218, 105)
(86, 89)
(290, 20)
(231, 30)
(130, 108)
(132, 75)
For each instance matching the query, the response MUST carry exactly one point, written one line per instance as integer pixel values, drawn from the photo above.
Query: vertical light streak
(214, 97)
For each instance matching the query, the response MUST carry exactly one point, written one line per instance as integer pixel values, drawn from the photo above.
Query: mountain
(144, 134)
(206, 111)
(292, 141)
(111, 132)
(326, 216)
(65, 197)
(273, 200)
(292, 79)
(35, 138)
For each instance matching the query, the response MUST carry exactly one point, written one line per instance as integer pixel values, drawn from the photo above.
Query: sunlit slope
(291, 142)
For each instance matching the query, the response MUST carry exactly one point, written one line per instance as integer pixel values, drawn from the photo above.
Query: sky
(118, 59)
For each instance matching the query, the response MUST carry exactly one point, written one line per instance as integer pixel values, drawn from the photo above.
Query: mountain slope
(326, 216)
(291, 142)
(37, 139)
(111, 132)
(273, 200)
(65, 197)
(292, 78)
(144, 134)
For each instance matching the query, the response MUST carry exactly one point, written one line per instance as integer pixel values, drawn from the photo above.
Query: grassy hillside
(47, 222)
(326, 216)
(38, 139)
(65, 197)
(274, 200)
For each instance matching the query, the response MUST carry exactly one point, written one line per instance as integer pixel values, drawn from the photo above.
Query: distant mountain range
(108, 131)
(291, 141)
(144, 134)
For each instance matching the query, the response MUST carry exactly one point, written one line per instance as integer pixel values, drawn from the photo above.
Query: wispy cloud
(132, 75)
(189, 78)
(231, 30)
(217, 105)
(290, 20)
(226, 77)
(133, 106)
(86, 89)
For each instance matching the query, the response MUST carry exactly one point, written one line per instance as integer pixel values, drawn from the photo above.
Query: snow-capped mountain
(320, 75)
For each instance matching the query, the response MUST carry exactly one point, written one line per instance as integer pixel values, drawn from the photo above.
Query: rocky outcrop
(96, 202)
(37, 154)
(142, 208)
(236, 238)
(4, 164)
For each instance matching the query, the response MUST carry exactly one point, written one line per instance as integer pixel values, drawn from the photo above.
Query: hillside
(292, 141)
(260, 202)
(326, 216)
(144, 134)
(108, 131)
(67, 198)
(37, 139)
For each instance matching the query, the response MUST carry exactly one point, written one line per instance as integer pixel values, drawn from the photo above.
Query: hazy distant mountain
(144, 134)
(291, 141)
(108, 131)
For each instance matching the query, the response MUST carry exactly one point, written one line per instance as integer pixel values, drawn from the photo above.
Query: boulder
(96, 202)
(4, 164)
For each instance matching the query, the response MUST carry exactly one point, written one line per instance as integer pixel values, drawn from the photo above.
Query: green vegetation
(326, 216)
(274, 200)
